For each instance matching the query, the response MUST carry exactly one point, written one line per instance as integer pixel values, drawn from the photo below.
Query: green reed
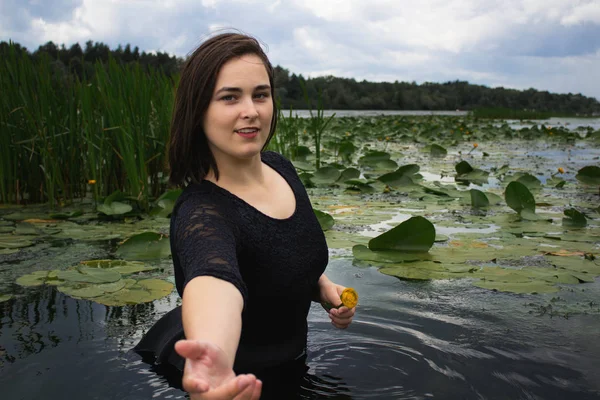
(57, 133)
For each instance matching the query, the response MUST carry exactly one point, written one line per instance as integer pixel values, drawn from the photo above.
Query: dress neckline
(248, 205)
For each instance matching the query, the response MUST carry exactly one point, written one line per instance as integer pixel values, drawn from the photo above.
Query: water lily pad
(114, 208)
(349, 173)
(463, 167)
(14, 242)
(479, 199)
(7, 229)
(518, 287)
(326, 175)
(145, 246)
(438, 151)
(35, 278)
(121, 266)
(143, 291)
(4, 252)
(89, 291)
(426, 270)
(5, 297)
(574, 219)
(530, 181)
(73, 214)
(589, 175)
(363, 253)
(519, 198)
(325, 220)
(416, 234)
(89, 275)
(165, 203)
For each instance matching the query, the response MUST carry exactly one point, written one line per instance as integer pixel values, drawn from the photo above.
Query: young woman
(248, 251)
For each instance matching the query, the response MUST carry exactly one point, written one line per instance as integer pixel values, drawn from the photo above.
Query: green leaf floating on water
(145, 246)
(165, 203)
(349, 173)
(143, 291)
(463, 167)
(363, 253)
(438, 151)
(416, 234)
(589, 175)
(89, 291)
(325, 220)
(14, 242)
(326, 175)
(574, 219)
(373, 157)
(113, 206)
(479, 199)
(519, 198)
(530, 181)
(36, 278)
(518, 287)
(89, 275)
(121, 266)
(5, 297)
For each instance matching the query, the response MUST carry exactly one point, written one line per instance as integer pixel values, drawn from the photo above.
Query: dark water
(445, 340)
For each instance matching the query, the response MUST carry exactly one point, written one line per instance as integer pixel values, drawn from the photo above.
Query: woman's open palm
(208, 376)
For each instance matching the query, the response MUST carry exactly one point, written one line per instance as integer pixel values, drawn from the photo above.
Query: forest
(334, 93)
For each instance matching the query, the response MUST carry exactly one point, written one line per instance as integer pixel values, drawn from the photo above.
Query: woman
(248, 251)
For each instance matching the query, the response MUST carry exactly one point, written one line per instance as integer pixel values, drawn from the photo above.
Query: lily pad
(479, 199)
(574, 219)
(519, 198)
(326, 175)
(5, 297)
(35, 278)
(363, 253)
(121, 266)
(438, 151)
(325, 220)
(14, 242)
(518, 287)
(589, 175)
(145, 246)
(114, 208)
(89, 291)
(89, 275)
(416, 234)
(143, 291)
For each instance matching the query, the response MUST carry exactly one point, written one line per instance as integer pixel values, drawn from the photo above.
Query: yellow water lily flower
(349, 298)
(475, 145)
(92, 182)
(560, 170)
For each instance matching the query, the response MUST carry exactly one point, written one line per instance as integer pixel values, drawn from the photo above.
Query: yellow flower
(560, 170)
(475, 145)
(92, 182)
(349, 298)
(347, 133)
(387, 138)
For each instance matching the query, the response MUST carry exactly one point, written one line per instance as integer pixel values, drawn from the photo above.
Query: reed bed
(62, 139)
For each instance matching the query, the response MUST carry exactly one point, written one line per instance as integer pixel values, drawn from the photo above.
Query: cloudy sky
(549, 45)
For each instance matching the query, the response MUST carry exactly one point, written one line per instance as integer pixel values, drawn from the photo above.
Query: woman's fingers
(342, 317)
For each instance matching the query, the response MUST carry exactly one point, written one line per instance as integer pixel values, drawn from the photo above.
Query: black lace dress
(275, 264)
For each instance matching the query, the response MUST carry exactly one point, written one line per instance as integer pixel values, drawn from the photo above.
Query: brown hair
(190, 158)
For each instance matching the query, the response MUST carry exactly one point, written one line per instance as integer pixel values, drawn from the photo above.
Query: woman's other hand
(207, 375)
(341, 317)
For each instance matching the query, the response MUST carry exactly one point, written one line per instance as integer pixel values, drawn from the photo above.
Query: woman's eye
(262, 95)
(228, 97)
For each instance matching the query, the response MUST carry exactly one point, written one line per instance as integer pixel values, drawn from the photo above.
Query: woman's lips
(248, 134)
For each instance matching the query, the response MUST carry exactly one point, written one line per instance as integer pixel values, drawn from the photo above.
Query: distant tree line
(335, 93)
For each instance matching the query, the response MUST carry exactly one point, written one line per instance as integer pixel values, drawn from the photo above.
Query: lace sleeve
(205, 243)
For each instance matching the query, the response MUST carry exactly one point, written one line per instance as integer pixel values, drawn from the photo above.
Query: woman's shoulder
(197, 196)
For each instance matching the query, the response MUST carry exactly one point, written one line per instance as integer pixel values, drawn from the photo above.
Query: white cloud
(520, 43)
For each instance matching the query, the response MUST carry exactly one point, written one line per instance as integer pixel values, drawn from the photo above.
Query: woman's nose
(249, 110)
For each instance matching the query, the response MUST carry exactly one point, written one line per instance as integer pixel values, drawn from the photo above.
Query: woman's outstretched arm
(211, 313)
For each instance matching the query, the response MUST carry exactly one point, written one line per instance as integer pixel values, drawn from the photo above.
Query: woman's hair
(190, 158)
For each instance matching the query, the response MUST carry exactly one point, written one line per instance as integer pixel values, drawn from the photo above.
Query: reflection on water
(410, 340)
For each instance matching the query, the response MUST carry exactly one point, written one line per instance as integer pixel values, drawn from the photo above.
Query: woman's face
(238, 118)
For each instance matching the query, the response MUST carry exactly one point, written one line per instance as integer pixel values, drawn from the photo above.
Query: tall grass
(57, 133)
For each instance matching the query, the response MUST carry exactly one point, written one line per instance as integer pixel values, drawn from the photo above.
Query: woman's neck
(236, 172)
